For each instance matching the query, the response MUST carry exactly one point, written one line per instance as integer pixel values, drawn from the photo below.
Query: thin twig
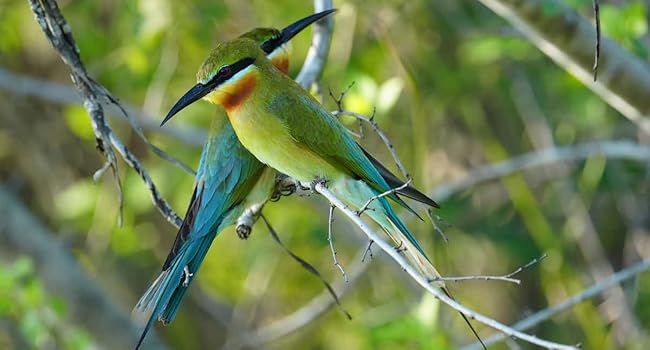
(320, 188)
(504, 278)
(368, 252)
(339, 100)
(307, 266)
(159, 202)
(382, 195)
(609, 149)
(622, 75)
(596, 6)
(586, 294)
(330, 239)
(58, 32)
(612, 149)
(434, 223)
(375, 127)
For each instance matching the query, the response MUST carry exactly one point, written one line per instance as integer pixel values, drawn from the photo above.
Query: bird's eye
(224, 71)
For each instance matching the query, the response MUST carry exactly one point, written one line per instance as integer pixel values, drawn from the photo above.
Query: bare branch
(320, 46)
(588, 293)
(504, 278)
(382, 195)
(307, 266)
(330, 239)
(368, 252)
(566, 36)
(371, 120)
(596, 6)
(610, 149)
(57, 31)
(322, 189)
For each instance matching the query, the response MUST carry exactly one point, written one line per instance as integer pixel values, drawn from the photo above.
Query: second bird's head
(223, 77)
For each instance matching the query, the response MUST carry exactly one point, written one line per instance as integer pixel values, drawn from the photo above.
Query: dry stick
(504, 278)
(588, 293)
(611, 149)
(330, 239)
(57, 31)
(371, 120)
(368, 251)
(323, 190)
(320, 45)
(381, 195)
(307, 266)
(159, 202)
(597, 49)
(565, 36)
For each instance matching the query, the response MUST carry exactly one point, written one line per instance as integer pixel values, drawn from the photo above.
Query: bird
(287, 129)
(229, 180)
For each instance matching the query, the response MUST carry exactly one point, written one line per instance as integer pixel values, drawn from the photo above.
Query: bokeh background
(455, 88)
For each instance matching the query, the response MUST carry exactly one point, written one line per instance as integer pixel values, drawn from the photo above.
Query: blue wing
(227, 172)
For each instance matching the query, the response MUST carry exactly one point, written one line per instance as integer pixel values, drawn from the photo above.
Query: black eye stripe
(229, 71)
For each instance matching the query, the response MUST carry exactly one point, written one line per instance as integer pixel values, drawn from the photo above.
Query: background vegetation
(455, 88)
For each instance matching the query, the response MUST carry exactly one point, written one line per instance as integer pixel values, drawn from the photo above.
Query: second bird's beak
(296, 27)
(199, 90)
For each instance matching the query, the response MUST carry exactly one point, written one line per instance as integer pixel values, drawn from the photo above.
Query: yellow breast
(266, 137)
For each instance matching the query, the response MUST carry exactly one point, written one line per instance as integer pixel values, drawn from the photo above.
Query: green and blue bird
(287, 129)
(229, 180)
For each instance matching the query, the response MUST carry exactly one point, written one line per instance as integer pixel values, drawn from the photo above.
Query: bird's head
(272, 43)
(226, 77)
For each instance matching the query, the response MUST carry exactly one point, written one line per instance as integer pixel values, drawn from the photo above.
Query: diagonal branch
(422, 281)
(58, 32)
(320, 47)
(610, 149)
(588, 293)
(566, 37)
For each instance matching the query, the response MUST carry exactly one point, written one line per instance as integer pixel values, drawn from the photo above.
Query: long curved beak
(195, 93)
(296, 27)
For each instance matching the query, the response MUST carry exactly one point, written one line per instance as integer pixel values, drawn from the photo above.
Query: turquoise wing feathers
(227, 172)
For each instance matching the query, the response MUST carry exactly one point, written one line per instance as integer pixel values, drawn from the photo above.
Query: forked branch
(422, 281)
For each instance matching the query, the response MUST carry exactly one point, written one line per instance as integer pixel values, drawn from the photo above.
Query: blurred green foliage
(39, 317)
(454, 88)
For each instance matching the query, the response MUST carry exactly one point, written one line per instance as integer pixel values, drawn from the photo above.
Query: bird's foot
(243, 231)
(401, 247)
(284, 186)
(317, 180)
(187, 275)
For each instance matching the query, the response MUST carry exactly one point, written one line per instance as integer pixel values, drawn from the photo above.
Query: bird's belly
(270, 142)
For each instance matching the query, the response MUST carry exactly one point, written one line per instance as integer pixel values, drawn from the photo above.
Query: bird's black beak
(195, 93)
(294, 28)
